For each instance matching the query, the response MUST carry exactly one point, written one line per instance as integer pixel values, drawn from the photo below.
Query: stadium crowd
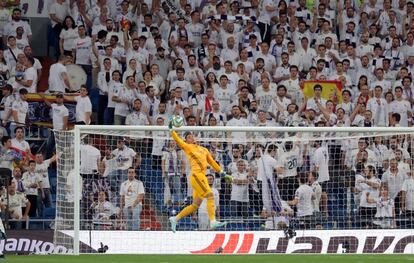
(219, 63)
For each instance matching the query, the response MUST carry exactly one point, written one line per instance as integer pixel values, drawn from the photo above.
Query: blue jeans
(132, 217)
(109, 116)
(116, 178)
(172, 185)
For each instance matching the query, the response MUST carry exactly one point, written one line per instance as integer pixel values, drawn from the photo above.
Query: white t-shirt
(58, 113)
(4, 19)
(16, 203)
(30, 74)
(408, 188)
(401, 107)
(225, 97)
(137, 118)
(69, 36)
(265, 16)
(113, 90)
(238, 137)
(110, 166)
(158, 141)
(22, 108)
(21, 145)
(42, 171)
(240, 192)
(37, 65)
(131, 190)
(22, 43)
(320, 159)
(90, 156)
(10, 54)
(83, 47)
(265, 167)
(10, 28)
(8, 104)
(317, 189)
(304, 195)
(365, 188)
(83, 105)
(70, 182)
(265, 98)
(28, 179)
(56, 82)
(385, 209)
(124, 157)
(290, 161)
(121, 108)
(395, 182)
(60, 10)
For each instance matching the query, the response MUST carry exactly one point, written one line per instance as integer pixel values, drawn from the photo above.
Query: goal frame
(79, 129)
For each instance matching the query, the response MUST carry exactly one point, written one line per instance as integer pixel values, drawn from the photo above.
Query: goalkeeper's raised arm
(199, 156)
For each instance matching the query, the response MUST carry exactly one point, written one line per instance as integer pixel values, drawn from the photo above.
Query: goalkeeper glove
(227, 178)
(170, 124)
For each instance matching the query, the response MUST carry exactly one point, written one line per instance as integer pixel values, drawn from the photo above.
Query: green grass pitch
(211, 258)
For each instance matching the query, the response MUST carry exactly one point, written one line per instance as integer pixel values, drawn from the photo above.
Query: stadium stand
(235, 63)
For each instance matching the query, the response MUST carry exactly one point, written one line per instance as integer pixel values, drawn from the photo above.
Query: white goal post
(72, 141)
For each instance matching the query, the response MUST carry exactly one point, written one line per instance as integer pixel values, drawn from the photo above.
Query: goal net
(332, 188)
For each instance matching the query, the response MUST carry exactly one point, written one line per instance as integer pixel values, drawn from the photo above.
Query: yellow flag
(331, 89)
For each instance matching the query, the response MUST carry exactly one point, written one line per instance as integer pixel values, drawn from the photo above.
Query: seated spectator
(279, 221)
(103, 213)
(132, 194)
(17, 204)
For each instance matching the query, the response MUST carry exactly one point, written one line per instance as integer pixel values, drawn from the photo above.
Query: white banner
(198, 242)
(35, 8)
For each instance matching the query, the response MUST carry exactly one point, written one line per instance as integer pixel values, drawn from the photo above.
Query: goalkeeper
(199, 158)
